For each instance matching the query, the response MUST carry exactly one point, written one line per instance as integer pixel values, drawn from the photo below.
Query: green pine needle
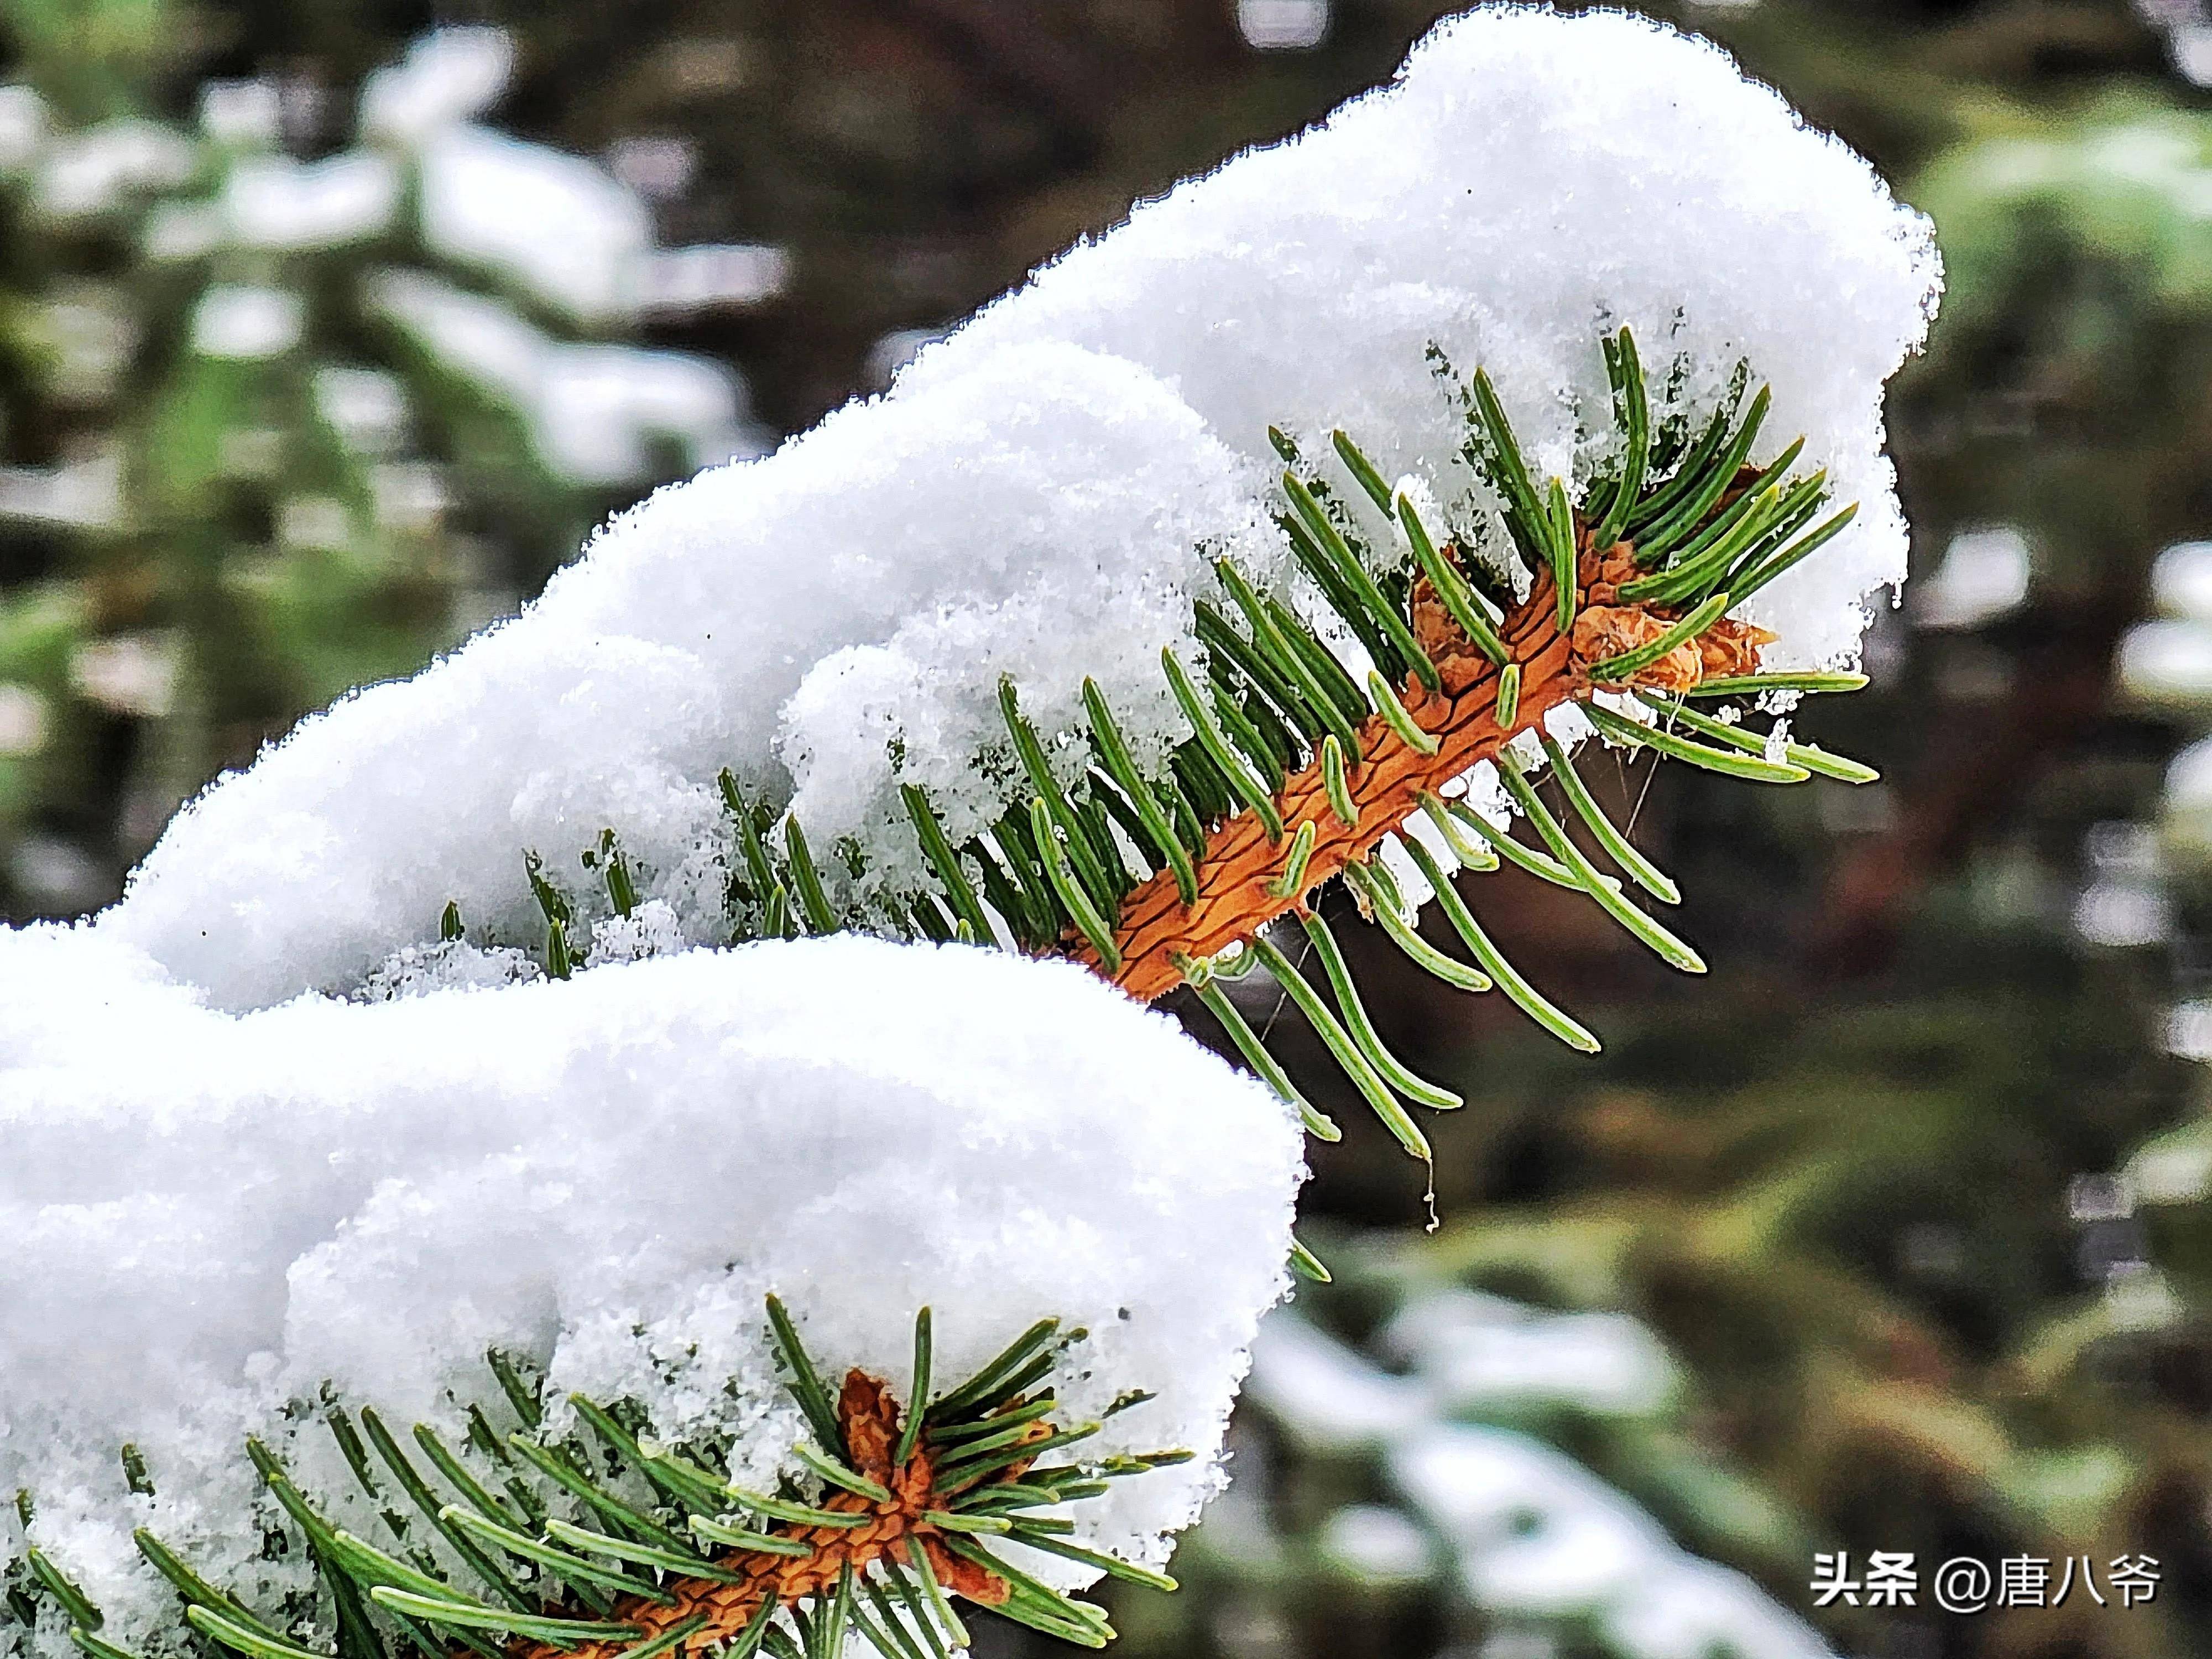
(1263, 1064)
(944, 862)
(784, 1508)
(1465, 606)
(1337, 784)
(1516, 852)
(1094, 928)
(1647, 875)
(75, 1601)
(748, 1538)
(812, 900)
(806, 1382)
(94, 1647)
(1344, 1049)
(1423, 955)
(1625, 662)
(562, 1563)
(1292, 880)
(1559, 524)
(836, 1473)
(686, 1565)
(1524, 995)
(670, 1640)
(253, 1641)
(1750, 769)
(918, 1394)
(1752, 685)
(1396, 717)
(1393, 1071)
(1121, 767)
(1472, 856)
(1633, 410)
(1361, 469)
(1608, 894)
(434, 1611)
(1509, 696)
(1372, 606)
(972, 1396)
(1811, 756)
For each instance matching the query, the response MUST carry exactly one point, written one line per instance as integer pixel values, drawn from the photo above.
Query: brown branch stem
(1239, 866)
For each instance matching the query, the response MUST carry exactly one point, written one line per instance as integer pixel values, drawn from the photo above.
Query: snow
(259, 1186)
(22, 721)
(678, 281)
(1325, 1397)
(1984, 576)
(366, 407)
(85, 494)
(1378, 1545)
(790, 619)
(2125, 904)
(1484, 1354)
(562, 229)
(591, 411)
(239, 320)
(1283, 25)
(243, 114)
(2181, 580)
(1527, 181)
(2189, 778)
(1534, 1535)
(2176, 1167)
(22, 126)
(1040, 495)
(1698, 1610)
(210, 1216)
(319, 521)
(133, 674)
(2167, 661)
(179, 231)
(448, 77)
(1535, 1532)
(92, 171)
(2186, 809)
(274, 202)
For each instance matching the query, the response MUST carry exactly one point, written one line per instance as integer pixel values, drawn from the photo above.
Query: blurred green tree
(295, 394)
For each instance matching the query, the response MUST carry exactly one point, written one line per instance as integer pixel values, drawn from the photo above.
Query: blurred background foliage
(326, 332)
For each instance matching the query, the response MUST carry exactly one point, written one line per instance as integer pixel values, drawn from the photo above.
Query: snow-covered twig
(1568, 336)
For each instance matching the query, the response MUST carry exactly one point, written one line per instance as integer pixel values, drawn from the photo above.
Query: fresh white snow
(1529, 180)
(225, 1185)
(1534, 1536)
(209, 1215)
(1041, 517)
(1042, 492)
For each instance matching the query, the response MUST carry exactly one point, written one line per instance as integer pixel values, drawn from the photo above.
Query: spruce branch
(1160, 871)
(910, 1493)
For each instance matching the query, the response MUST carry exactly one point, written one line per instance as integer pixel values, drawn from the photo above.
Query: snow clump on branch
(1041, 496)
(210, 1217)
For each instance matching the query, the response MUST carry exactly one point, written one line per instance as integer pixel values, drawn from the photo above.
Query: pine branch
(909, 1494)
(1167, 871)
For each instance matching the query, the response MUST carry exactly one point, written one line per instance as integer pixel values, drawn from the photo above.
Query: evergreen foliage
(1295, 773)
(913, 1506)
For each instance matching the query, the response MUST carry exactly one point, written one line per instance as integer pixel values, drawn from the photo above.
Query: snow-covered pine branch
(1041, 494)
(1203, 569)
(213, 1220)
